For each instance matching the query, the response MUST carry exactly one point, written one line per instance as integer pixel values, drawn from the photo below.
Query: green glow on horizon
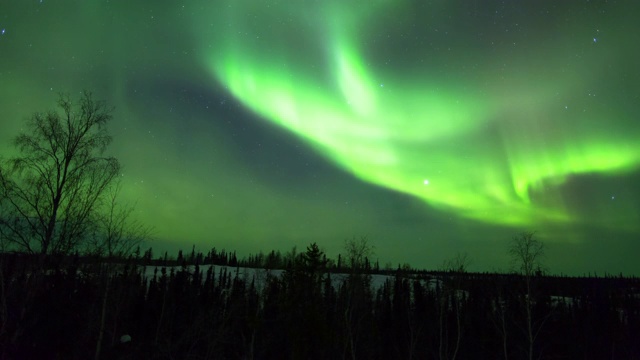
(484, 151)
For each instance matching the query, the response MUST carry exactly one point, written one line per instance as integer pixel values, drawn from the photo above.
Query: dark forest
(216, 306)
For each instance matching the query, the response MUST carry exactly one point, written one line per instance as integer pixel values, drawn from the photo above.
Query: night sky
(431, 127)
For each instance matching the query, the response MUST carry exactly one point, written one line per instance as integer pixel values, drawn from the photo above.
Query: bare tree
(59, 194)
(51, 189)
(116, 235)
(357, 252)
(526, 253)
(500, 316)
(116, 232)
(451, 296)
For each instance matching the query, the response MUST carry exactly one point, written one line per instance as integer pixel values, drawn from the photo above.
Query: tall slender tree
(116, 235)
(526, 252)
(357, 290)
(451, 302)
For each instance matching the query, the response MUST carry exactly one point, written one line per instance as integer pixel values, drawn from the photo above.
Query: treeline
(274, 259)
(81, 308)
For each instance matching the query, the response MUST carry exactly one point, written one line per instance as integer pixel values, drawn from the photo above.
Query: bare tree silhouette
(51, 190)
(526, 252)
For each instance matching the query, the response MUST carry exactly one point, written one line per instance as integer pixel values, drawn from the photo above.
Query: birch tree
(52, 188)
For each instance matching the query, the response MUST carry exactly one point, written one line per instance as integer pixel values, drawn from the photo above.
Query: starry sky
(432, 127)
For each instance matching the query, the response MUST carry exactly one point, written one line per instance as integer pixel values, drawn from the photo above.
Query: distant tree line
(198, 311)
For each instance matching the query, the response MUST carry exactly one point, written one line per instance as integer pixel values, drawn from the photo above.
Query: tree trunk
(103, 317)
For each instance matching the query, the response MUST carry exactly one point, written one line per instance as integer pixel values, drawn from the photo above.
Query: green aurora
(401, 129)
(433, 127)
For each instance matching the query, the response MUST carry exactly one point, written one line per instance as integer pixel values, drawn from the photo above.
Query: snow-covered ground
(260, 276)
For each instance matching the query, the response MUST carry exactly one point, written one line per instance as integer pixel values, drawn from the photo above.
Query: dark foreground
(64, 309)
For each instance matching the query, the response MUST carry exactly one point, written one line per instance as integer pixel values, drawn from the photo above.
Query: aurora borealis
(432, 127)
